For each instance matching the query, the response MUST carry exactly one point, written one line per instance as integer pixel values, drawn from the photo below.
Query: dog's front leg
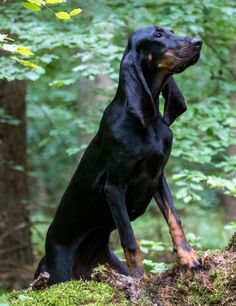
(115, 196)
(186, 254)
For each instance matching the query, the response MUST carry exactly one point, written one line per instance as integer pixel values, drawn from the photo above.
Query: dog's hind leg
(59, 262)
(117, 264)
(41, 267)
(56, 266)
(93, 251)
(41, 276)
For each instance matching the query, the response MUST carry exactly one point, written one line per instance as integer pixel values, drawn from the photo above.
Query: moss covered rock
(215, 284)
(69, 294)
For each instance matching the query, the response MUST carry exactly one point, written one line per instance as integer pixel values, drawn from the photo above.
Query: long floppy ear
(174, 101)
(139, 99)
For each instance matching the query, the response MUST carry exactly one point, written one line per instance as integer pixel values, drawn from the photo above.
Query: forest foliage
(60, 48)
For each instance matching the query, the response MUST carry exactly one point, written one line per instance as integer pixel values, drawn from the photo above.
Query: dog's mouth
(184, 63)
(184, 58)
(177, 62)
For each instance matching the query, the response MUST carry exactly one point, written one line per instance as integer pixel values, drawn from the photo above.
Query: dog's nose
(197, 42)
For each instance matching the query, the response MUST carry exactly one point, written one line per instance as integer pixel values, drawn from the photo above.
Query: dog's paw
(41, 282)
(139, 274)
(189, 259)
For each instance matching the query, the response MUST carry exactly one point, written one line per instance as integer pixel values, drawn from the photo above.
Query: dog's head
(166, 51)
(157, 50)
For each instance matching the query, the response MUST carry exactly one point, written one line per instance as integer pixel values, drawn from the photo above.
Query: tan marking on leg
(176, 231)
(187, 257)
(135, 263)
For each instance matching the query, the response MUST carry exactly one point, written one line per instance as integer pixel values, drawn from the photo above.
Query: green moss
(232, 243)
(214, 285)
(212, 293)
(210, 252)
(180, 287)
(3, 298)
(100, 269)
(70, 294)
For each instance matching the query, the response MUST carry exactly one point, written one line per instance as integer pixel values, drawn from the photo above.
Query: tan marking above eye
(159, 29)
(149, 56)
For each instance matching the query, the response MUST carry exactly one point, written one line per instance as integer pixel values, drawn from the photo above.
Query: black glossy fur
(123, 166)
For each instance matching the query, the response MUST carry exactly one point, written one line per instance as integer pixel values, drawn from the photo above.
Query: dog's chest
(154, 149)
(153, 157)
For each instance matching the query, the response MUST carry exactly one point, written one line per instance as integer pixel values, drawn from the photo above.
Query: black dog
(123, 166)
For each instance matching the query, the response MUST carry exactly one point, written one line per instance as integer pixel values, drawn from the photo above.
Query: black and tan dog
(123, 166)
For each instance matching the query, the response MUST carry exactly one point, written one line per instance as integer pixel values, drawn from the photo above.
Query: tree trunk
(15, 237)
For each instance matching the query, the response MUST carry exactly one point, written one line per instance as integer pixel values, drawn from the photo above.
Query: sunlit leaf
(75, 12)
(39, 2)
(24, 62)
(62, 15)
(54, 1)
(31, 6)
(23, 51)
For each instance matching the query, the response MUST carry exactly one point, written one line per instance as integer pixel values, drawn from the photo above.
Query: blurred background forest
(57, 74)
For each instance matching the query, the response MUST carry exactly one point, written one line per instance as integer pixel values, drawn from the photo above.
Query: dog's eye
(158, 34)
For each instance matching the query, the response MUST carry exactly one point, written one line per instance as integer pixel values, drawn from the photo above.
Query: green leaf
(74, 150)
(75, 12)
(62, 82)
(155, 267)
(43, 142)
(18, 168)
(31, 6)
(62, 15)
(25, 63)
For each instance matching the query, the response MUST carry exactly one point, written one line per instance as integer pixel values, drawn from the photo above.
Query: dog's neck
(155, 81)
